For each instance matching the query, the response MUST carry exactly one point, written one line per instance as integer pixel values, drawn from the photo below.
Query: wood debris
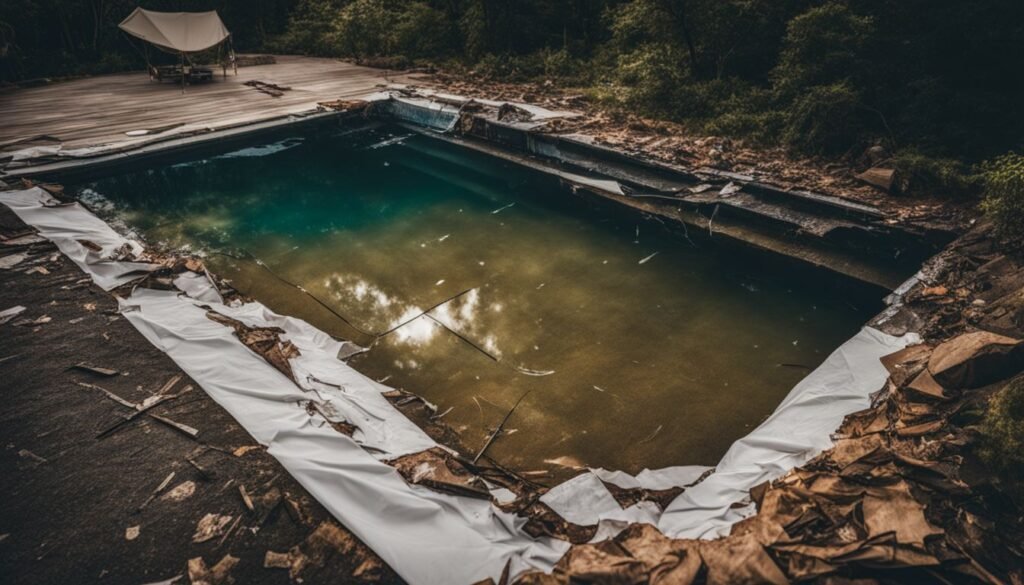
(271, 89)
(8, 314)
(220, 574)
(211, 526)
(96, 369)
(156, 492)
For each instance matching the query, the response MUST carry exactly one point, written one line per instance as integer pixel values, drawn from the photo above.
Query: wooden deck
(99, 110)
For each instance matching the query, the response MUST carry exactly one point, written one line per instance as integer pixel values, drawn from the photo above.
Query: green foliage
(363, 28)
(929, 175)
(823, 46)
(819, 76)
(1004, 203)
(421, 31)
(824, 119)
(651, 78)
(1002, 432)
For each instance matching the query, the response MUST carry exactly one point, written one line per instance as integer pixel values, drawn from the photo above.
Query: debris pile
(675, 144)
(269, 88)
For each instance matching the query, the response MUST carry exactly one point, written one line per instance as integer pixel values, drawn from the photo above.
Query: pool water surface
(634, 347)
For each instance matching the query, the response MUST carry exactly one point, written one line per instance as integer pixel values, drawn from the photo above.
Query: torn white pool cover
(425, 536)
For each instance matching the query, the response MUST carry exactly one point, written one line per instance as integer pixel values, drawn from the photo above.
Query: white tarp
(73, 228)
(178, 32)
(425, 536)
(799, 429)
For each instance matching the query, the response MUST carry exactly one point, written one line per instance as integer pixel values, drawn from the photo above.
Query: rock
(876, 154)
(976, 359)
(878, 177)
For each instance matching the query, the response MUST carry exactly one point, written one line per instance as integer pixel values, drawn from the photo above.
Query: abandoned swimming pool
(634, 347)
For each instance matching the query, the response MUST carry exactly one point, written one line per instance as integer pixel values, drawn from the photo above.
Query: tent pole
(183, 73)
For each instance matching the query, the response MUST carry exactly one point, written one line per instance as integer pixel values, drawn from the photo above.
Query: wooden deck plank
(99, 110)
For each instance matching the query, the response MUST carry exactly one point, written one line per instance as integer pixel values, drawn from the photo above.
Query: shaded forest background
(937, 83)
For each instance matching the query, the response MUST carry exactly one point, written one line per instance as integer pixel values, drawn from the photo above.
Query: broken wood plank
(245, 498)
(191, 432)
(109, 394)
(108, 372)
(163, 485)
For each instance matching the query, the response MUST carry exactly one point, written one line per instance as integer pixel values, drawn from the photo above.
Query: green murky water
(656, 351)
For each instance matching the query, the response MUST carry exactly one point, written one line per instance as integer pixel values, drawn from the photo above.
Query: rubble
(676, 145)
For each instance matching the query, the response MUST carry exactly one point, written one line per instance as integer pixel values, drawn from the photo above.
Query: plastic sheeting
(73, 228)
(426, 536)
(799, 429)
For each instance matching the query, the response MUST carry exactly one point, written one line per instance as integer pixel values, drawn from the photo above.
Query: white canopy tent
(180, 33)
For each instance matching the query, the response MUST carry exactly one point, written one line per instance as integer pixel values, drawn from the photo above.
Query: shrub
(560, 64)
(926, 175)
(1004, 198)
(651, 78)
(1002, 432)
(823, 46)
(748, 112)
(423, 31)
(824, 119)
(363, 28)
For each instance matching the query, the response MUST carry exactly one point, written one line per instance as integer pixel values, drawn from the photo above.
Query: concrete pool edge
(530, 552)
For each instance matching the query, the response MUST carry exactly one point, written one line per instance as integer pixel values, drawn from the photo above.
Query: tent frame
(231, 58)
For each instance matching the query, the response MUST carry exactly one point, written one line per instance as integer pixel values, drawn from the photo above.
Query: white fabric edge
(66, 225)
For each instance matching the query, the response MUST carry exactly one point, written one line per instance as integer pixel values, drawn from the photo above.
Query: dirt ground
(70, 499)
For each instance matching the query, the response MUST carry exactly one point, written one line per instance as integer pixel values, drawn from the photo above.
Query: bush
(651, 78)
(824, 120)
(363, 28)
(1004, 198)
(822, 47)
(1002, 432)
(748, 112)
(926, 175)
(422, 31)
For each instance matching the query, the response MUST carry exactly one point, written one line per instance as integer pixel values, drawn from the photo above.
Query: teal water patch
(638, 347)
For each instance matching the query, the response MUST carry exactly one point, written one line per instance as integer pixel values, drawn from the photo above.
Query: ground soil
(68, 498)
